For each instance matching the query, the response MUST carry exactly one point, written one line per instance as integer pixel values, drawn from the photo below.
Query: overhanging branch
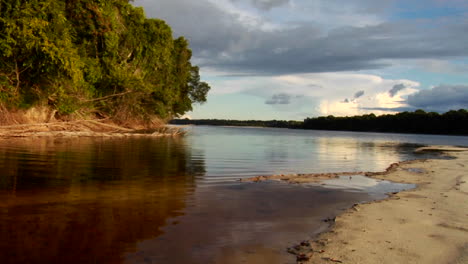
(107, 97)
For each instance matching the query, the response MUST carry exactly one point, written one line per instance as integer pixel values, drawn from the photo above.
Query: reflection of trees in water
(64, 162)
(89, 200)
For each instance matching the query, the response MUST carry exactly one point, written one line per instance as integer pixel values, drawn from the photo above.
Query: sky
(293, 59)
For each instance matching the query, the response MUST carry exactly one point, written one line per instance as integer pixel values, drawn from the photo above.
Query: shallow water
(363, 184)
(236, 152)
(143, 200)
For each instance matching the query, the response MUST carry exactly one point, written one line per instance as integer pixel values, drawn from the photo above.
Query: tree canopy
(94, 54)
(454, 122)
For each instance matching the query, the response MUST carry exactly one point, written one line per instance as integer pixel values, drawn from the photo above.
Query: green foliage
(198, 90)
(419, 121)
(101, 54)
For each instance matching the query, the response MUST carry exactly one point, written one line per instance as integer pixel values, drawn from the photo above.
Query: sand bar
(428, 224)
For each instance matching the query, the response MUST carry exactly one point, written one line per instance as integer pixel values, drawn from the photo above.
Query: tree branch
(107, 97)
(17, 72)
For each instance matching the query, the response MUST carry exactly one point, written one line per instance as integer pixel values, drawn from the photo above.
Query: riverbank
(43, 121)
(83, 128)
(424, 225)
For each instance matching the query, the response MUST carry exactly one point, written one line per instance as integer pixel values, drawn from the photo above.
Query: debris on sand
(301, 178)
(82, 128)
(303, 251)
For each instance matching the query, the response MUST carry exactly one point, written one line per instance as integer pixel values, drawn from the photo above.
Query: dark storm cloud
(438, 99)
(279, 99)
(396, 88)
(441, 98)
(340, 7)
(210, 30)
(220, 40)
(358, 94)
(266, 4)
(347, 49)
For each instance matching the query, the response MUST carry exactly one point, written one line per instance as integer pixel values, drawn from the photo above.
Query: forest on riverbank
(248, 123)
(93, 58)
(450, 123)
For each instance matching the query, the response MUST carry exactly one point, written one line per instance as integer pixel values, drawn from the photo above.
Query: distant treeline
(419, 121)
(250, 123)
(452, 122)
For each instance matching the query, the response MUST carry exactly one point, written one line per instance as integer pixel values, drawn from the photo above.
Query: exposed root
(42, 121)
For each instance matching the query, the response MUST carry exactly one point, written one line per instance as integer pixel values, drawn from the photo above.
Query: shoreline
(84, 128)
(426, 224)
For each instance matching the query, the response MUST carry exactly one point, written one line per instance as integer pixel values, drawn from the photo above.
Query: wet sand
(428, 224)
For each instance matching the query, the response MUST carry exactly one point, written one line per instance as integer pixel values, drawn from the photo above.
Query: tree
(35, 50)
(94, 54)
(198, 89)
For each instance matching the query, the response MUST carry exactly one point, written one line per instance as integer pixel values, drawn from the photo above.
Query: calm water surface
(143, 200)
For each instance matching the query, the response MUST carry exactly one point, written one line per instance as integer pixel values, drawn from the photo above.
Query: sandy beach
(428, 224)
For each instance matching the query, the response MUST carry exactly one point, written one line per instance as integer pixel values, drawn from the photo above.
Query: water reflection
(360, 183)
(233, 153)
(166, 200)
(245, 223)
(354, 154)
(88, 200)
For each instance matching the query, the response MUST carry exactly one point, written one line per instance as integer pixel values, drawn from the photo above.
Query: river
(178, 200)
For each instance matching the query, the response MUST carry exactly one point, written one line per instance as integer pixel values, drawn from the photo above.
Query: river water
(178, 200)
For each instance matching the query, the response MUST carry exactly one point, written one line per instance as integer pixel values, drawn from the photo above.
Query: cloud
(266, 4)
(344, 49)
(268, 48)
(248, 43)
(441, 98)
(396, 88)
(279, 99)
(358, 94)
(321, 93)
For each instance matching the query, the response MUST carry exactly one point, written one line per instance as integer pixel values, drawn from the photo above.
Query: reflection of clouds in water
(231, 153)
(337, 146)
(365, 184)
(278, 150)
(351, 182)
(352, 154)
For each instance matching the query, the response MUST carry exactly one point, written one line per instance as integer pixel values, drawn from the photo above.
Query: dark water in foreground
(166, 200)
